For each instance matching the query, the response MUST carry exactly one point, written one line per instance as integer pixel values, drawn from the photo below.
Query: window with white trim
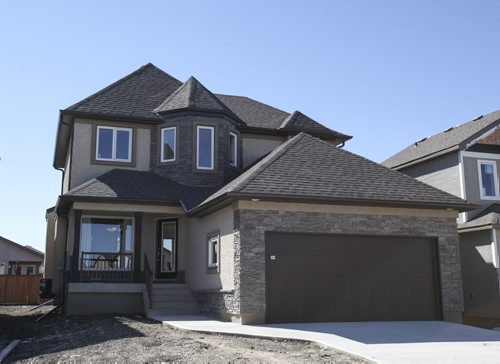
(213, 252)
(488, 182)
(205, 147)
(113, 144)
(168, 142)
(233, 149)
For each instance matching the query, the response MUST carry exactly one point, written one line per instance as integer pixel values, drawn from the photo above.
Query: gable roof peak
(449, 140)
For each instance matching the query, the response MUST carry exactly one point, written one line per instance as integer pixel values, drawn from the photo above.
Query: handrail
(148, 274)
(106, 261)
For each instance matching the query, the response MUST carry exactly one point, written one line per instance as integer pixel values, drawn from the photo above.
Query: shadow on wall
(480, 277)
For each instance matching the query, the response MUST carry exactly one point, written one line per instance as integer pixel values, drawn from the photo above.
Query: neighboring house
(19, 259)
(465, 162)
(178, 200)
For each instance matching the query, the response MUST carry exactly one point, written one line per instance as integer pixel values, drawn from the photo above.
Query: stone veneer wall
(250, 265)
(222, 304)
(183, 170)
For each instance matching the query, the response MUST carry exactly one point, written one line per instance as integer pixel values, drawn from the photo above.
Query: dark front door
(313, 277)
(166, 249)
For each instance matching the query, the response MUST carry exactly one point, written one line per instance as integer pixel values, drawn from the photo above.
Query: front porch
(120, 243)
(121, 257)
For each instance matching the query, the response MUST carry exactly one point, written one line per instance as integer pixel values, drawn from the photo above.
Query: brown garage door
(350, 278)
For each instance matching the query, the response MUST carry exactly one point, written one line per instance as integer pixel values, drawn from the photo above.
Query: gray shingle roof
(149, 90)
(135, 95)
(192, 95)
(488, 216)
(297, 121)
(254, 113)
(307, 167)
(450, 138)
(142, 186)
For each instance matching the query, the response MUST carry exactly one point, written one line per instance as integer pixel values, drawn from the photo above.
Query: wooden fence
(20, 289)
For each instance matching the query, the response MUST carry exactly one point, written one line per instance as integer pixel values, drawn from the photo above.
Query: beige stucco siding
(255, 146)
(67, 173)
(198, 230)
(60, 228)
(49, 245)
(82, 167)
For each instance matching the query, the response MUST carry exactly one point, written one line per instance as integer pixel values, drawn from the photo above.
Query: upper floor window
(488, 183)
(168, 144)
(205, 147)
(233, 149)
(114, 144)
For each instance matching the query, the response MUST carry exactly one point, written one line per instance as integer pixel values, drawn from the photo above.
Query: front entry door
(166, 249)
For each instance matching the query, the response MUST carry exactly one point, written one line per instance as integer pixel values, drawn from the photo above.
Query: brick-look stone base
(252, 225)
(223, 304)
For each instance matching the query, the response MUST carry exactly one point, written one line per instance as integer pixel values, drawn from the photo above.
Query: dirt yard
(97, 338)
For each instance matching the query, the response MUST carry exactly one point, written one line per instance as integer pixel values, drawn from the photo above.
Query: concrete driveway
(382, 342)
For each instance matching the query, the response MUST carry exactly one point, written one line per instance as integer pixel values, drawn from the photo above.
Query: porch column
(75, 277)
(137, 246)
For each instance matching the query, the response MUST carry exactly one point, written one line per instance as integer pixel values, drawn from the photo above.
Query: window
(114, 144)
(30, 270)
(488, 184)
(233, 149)
(205, 147)
(168, 144)
(105, 244)
(213, 252)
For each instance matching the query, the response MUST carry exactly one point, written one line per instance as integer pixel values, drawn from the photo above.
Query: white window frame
(495, 179)
(233, 153)
(163, 144)
(211, 241)
(212, 129)
(113, 147)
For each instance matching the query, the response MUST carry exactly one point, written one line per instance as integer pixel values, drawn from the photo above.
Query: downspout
(62, 178)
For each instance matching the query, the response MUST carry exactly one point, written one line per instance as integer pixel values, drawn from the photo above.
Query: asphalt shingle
(135, 95)
(254, 113)
(307, 167)
(298, 121)
(128, 185)
(192, 95)
(149, 90)
(442, 141)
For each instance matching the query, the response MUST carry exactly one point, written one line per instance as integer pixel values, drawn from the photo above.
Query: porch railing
(106, 266)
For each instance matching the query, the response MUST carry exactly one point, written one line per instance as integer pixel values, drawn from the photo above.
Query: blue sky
(386, 72)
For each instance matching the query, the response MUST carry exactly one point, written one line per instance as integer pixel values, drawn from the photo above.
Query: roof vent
(477, 118)
(420, 141)
(450, 128)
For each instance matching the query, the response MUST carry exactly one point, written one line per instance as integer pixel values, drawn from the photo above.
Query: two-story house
(178, 200)
(464, 161)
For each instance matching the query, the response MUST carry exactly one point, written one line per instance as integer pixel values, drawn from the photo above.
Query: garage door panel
(350, 278)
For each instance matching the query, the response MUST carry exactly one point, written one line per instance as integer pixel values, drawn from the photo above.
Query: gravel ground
(100, 338)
